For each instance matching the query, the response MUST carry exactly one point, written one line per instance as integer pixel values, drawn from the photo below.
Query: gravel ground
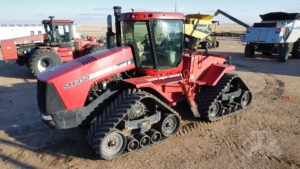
(266, 135)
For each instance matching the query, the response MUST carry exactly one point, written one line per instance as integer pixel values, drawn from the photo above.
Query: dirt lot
(101, 29)
(266, 135)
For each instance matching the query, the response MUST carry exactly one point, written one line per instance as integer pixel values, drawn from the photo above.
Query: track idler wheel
(214, 109)
(154, 135)
(132, 144)
(245, 99)
(169, 125)
(144, 140)
(112, 145)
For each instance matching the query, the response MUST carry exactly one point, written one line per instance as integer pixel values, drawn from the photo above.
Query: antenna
(175, 6)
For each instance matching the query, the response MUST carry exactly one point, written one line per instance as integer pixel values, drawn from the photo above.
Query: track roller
(230, 108)
(143, 139)
(236, 106)
(154, 135)
(224, 111)
(132, 144)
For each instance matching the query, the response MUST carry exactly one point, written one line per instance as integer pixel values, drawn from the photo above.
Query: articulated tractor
(126, 93)
(59, 44)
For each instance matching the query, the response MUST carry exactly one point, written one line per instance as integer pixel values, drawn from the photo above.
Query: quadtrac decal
(98, 73)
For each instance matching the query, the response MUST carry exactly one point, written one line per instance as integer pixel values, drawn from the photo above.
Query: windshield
(48, 31)
(62, 32)
(136, 35)
(167, 39)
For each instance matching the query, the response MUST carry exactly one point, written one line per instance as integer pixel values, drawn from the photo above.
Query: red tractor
(44, 51)
(126, 93)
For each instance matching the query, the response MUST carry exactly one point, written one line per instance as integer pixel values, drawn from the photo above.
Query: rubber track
(110, 118)
(211, 94)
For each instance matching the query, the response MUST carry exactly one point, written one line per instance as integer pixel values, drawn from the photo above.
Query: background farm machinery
(277, 33)
(59, 44)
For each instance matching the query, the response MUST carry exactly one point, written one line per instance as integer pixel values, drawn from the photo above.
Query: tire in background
(296, 50)
(43, 59)
(216, 44)
(204, 45)
(283, 54)
(249, 51)
(93, 49)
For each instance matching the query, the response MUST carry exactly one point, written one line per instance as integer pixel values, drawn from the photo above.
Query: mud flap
(214, 74)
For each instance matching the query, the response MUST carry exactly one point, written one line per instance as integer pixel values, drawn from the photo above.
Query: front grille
(41, 95)
(49, 101)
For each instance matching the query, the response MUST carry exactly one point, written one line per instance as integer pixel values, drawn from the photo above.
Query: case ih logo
(76, 82)
(122, 64)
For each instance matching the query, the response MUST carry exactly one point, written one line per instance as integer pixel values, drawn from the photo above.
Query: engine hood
(73, 80)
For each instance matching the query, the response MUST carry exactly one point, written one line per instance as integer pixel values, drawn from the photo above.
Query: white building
(9, 31)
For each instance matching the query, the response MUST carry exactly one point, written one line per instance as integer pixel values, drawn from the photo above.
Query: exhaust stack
(52, 29)
(117, 12)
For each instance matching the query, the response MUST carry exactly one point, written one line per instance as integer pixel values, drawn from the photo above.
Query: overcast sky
(96, 11)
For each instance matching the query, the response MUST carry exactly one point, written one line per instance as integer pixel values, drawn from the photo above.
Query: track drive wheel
(296, 50)
(93, 49)
(169, 125)
(283, 54)
(43, 59)
(249, 51)
(112, 144)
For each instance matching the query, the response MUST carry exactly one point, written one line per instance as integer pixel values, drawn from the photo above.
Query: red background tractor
(40, 52)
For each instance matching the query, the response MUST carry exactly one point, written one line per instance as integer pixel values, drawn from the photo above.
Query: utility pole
(175, 6)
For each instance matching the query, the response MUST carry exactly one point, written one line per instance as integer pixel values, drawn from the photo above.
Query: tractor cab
(156, 39)
(59, 32)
